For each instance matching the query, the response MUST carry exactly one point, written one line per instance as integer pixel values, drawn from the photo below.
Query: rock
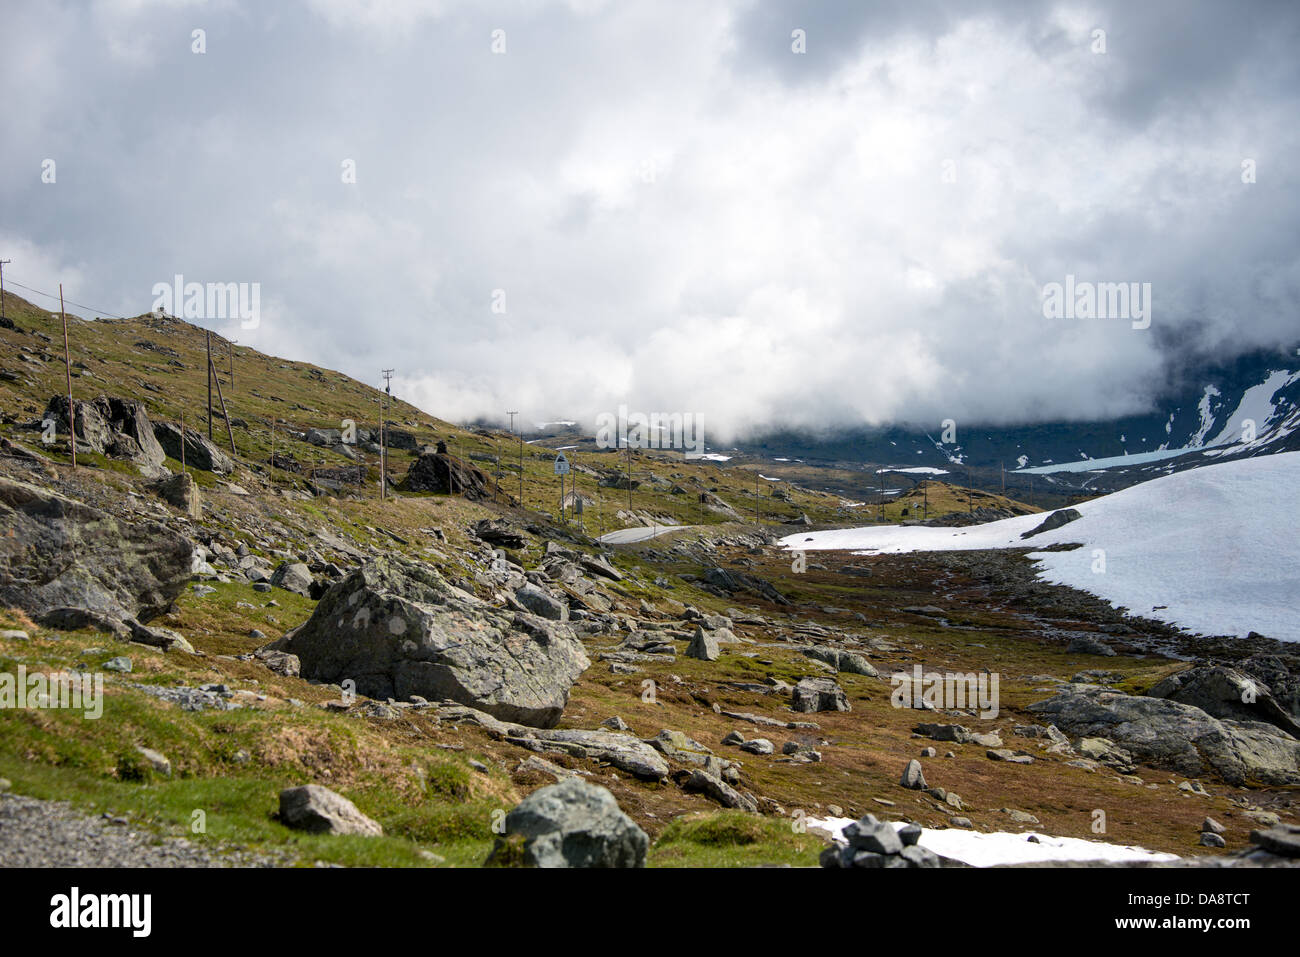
(120, 663)
(533, 599)
(398, 628)
(60, 559)
(1104, 751)
(280, 662)
(1007, 755)
(294, 577)
(703, 646)
(499, 533)
(615, 723)
(818, 694)
(680, 747)
(445, 474)
(1019, 817)
(1084, 645)
(598, 565)
(571, 824)
(1213, 826)
(318, 810)
(1210, 839)
(714, 787)
(846, 661)
(929, 753)
(183, 492)
(1062, 516)
(13, 634)
(200, 452)
(913, 778)
(155, 760)
(872, 844)
(1281, 839)
(118, 428)
(758, 746)
(868, 834)
(1226, 693)
(1180, 737)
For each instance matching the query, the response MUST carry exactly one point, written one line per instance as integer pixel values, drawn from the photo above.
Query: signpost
(561, 469)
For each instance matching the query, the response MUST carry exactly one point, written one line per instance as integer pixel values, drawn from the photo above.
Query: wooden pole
(209, 341)
(67, 366)
(230, 434)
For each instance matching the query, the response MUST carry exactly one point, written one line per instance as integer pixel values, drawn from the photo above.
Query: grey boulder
(397, 628)
(573, 824)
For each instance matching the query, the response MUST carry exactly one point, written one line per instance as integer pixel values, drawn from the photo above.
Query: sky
(805, 215)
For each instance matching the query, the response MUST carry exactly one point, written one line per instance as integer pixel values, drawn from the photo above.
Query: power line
(102, 313)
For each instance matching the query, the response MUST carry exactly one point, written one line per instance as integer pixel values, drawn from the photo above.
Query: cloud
(662, 205)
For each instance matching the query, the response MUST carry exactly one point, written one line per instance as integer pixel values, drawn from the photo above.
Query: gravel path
(35, 833)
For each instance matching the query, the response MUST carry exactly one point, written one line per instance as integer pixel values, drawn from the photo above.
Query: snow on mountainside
(1247, 407)
(1213, 550)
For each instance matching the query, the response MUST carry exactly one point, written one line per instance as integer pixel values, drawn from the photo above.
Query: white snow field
(987, 849)
(1214, 550)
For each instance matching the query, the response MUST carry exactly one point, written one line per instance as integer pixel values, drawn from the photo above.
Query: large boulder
(818, 694)
(570, 824)
(1176, 736)
(1226, 693)
(445, 474)
(318, 810)
(294, 577)
(200, 453)
(63, 562)
(118, 428)
(398, 628)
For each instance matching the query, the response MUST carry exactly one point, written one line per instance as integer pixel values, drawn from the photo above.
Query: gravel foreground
(35, 833)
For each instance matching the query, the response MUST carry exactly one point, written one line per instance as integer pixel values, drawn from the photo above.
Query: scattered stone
(913, 778)
(318, 810)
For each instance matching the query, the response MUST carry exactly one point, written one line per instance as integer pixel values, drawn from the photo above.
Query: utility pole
(232, 365)
(209, 339)
(2, 288)
(67, 365)
(383, 433)
(521, 457)
(225, 413)
(756, 519)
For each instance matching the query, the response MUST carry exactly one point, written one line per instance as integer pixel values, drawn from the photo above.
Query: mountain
(1207, 418)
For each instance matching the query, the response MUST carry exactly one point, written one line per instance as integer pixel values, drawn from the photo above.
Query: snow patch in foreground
(1213, 549)
(980, 849)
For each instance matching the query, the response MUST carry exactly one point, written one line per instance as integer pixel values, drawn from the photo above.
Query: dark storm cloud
(675, 210)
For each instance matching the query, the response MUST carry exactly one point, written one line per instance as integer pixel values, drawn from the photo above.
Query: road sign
(561, 464)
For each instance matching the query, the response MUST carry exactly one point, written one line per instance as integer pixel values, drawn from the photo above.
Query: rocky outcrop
(67, 564)
(200, 453)
(398, 629)
(445, 474)
(1180, 737)
(117, 428)
(1226, 693)
(570, 824)
(1062, 516)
